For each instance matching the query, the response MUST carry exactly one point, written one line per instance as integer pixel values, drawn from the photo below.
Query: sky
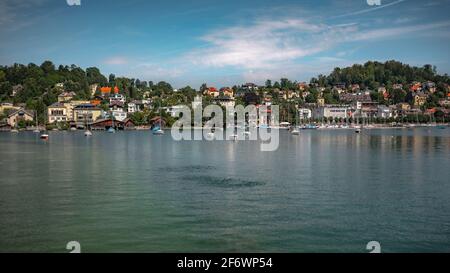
(223, 43)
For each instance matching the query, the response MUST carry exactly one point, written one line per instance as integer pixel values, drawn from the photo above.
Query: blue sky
(224, 42)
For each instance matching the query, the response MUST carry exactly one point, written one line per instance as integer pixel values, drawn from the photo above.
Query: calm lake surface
(322, 191)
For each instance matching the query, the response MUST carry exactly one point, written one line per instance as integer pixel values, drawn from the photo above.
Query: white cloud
(116, 60)
(290, 47)
(266, 43)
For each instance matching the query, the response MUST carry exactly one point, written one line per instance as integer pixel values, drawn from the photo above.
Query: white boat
(158, 132)
(14, 131)
(44, 137)
(295, 132)
(87, 133)
(73, 129)
(210, 136)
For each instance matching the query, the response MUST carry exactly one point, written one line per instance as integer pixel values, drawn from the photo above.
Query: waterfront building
(331, 111)
(17, 115)
(57, 112)
(304, 113)
(105, 124)
(384, 111)
(86, 113)
(70, 106)
(116, 109)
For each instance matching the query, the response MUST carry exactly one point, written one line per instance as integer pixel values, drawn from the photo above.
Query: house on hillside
(18, 115)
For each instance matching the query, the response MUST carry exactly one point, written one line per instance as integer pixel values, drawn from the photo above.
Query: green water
(322, 191)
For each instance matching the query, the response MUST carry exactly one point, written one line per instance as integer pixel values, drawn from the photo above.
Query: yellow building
(4, 107)
(57, 112)
(66, 96)
(420, 99)
(405, 106)
(71, 105)
(320, 101)
(86, 113)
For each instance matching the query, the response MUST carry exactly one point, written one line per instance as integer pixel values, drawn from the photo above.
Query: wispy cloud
(266, 43)
(116, 60)
(280, 46)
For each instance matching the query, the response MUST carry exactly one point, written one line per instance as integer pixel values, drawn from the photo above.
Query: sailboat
(36, 130)
(295, 131)
(88, 132)
(158, 130)
(111, 129)
(359, 129)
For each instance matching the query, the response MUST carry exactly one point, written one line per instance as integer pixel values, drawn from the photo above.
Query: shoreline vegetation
(389, 94)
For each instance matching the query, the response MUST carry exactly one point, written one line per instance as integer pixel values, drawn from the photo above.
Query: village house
(304, 113)
(66, 96)
(354, 97)
(415, 87)
(331, 111)
(444, 102)
(70, 108)
(228, 92)
(6, 107)
(117, 98)
(57, 112)
(212, 91)
(403, 106)
(289, 94)
(355, 87)
(302, 86)
(116, 110)
(17, 115)
(385, 111)
(86, 113)
(320, 101)
(250, 86)
(136, 106)
(429, 86)
(105, 124)
(420, 98)
(224, 101)
(173, 111)
(105, 91)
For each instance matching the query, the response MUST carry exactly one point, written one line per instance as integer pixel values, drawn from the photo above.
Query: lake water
(322, 191)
